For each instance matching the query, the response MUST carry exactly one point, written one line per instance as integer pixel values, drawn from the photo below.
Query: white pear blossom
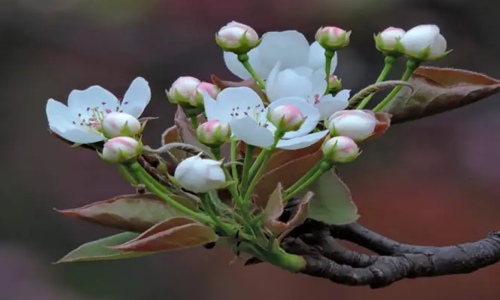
(243, 109)
(81, 120)
(308, 84)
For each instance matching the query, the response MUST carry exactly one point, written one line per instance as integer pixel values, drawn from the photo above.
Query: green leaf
(438, 90)
(135, 212)
(332, 201)
(98, 250)
(173, 234)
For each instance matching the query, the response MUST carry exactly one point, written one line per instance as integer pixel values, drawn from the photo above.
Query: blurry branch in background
(394, 261)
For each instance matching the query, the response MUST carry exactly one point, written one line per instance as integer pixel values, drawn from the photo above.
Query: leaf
(438, 90)
(136, 212)
(185, 132)
(173, 234)
(281, 157)
(332, 203)
(383, 123)
(171, 135)
(286, 174)
(98, 250)
(272, 212)
(300, 215)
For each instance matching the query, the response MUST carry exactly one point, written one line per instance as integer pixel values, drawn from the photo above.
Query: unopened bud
(237, 38)
(183, 91)
(199, 175)
(355, 124)
(388, 41)
(213, 133)
(286, 117)
(424, 42)
(122, 149)
(120, 124)
(334, 84)
(204, 87)
(340, 149)
(332, 38)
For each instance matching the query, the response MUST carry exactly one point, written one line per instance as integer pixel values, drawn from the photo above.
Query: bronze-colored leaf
(251, 83)
(438, 90)
(300, 215)
(281, 157)
(185, 132)
(286, 174)
(273, 210)
(383, 123)
(171, 135)
(174, 234)
(136, 212)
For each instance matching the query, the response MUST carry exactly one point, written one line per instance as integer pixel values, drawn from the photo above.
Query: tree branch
(326, 258)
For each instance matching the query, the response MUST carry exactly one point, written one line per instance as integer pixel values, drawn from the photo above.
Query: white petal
(287, 84)
(329, 104)
(247, 130)
(317, 60)
(81, 136)
(236, 101)
(83, 101)
(302, 142)
(136, 98)
(303, 71)
(307, 109)
(319, 83)
(235, 66)
(212, 109)
(290, 47)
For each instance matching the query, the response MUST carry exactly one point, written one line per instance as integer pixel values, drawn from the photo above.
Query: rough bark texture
(394, 261)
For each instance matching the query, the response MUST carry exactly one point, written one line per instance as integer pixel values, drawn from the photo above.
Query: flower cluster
(239, 151)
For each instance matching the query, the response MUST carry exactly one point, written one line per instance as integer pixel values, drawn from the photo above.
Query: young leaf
(332, 202)
(185, 132)
(136, 212)
(171, 135)
(300, 215)
(286, 174)
(173, 234)
(272, 212)
(438, 90)
(98, 250)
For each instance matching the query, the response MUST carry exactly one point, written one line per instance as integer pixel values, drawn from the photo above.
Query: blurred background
(435, 181)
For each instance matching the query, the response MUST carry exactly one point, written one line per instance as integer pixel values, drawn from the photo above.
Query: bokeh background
(435, 181)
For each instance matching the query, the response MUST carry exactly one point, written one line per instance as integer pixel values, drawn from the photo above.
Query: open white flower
(243, 109)
(80, 121)
(306, 83)
(290, 48)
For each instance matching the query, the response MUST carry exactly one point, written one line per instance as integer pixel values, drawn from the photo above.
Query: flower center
(316, 98)
(93, 117)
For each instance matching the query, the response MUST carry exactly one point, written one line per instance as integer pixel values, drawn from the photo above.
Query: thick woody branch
(326, 258)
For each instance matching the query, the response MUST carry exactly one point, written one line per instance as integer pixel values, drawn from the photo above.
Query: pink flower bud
(355, 124)
(388, 41)
(200, 175)
(204, 87)
(183, 90)
(213, 133)
(424, 42)
(286, 117)
(120, 124)
(332, 38)
(334, 84)
(340, 149)
(237, 38)
(121, 149)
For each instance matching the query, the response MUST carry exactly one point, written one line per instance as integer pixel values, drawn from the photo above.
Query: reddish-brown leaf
(438, 90)
(281, 157)
(185, 132)
(174, 234)
(171, 135)
(273, 210)
(300, 215)
(136, 212)
(286, 174)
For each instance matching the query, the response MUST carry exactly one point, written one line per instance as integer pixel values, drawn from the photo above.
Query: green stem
(328, 66)
(388, 64)
(208, 206)
(277, 256)
(257, 163)
(194, 122)
(246, 167)
(411, 66)
(305, 177)
(245, 61)
(234, 168)
(216, 152)
(154, 186)
(128, 175)
(325, 166)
